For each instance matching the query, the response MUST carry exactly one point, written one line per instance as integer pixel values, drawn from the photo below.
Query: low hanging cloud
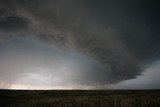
(114, 35)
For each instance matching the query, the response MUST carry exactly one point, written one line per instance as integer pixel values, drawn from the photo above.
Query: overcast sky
(79, 44)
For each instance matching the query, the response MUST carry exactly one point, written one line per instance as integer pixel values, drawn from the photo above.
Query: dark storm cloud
(122, 36)
(136, 23)
(12, 23)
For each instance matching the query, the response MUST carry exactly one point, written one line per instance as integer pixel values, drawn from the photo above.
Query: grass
(79, 98)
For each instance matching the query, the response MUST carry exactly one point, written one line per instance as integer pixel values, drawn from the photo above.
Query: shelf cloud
(120, 38)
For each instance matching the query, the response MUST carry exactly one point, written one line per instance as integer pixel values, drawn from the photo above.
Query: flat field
(79, 98)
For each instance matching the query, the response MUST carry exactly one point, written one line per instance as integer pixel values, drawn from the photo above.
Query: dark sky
(79, 44)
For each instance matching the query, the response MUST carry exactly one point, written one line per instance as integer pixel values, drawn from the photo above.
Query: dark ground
(79, 98)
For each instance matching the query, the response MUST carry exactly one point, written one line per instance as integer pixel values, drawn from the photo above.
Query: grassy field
(79, 98)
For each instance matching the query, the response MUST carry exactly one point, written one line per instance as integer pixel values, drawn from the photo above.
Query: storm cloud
(122, 37)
